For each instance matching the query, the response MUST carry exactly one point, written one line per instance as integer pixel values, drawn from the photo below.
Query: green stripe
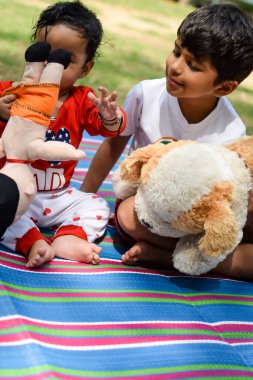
(121, 332)
(147, 371)
(120, 291)
(121, 299)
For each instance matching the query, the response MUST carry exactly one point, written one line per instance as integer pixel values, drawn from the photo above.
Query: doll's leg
(82, 218)
(149, 248)
(35, 56)
(57, 61)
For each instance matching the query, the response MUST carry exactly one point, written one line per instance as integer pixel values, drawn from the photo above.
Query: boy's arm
(105, 158)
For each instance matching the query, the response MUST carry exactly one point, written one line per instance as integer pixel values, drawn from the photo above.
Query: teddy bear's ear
(220, 230)
(131, 167)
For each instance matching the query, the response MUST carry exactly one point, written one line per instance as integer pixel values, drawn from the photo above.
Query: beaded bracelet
(108, 122)
(112, 122)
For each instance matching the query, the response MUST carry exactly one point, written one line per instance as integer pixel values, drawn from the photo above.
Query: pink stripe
(38, 376)
(179, 375)
(184, 375)
(101, 341)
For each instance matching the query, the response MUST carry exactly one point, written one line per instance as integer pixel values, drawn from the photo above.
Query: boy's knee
(239, 264)
(125, 215)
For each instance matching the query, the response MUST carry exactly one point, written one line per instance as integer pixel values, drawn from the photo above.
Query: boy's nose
(177, 65)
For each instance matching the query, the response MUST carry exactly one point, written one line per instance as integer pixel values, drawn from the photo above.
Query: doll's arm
(53, 151)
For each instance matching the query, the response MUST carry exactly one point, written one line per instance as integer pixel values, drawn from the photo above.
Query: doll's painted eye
(146, 224)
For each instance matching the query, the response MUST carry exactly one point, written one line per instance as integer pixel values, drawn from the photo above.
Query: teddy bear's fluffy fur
(193, 191)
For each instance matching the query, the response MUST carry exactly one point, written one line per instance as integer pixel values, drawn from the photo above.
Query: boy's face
(61, 36)
(187, 77)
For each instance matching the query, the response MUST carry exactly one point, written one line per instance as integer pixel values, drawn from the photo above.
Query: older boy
(213, 53)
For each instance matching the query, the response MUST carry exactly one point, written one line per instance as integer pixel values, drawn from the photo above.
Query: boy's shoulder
(153, 83)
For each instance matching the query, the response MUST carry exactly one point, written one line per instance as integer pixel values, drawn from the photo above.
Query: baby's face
(61, 36)
(188, 77)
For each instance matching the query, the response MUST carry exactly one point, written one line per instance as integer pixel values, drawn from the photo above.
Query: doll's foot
(74, 248)
(40, 253)
(143, 253)
(60, 56)
(38, 52)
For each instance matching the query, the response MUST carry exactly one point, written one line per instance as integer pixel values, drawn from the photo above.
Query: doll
(23, 139)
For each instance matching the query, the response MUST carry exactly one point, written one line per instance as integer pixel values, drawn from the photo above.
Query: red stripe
(17, 161)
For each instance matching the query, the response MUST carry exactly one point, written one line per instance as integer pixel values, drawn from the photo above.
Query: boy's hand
(5, 106)
(106, 105)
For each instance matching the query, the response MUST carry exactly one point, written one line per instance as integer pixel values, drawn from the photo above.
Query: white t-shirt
(152, 114)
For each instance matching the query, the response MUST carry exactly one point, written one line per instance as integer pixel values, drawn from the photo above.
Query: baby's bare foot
(144, 253)
(74, 248)
(40, 253)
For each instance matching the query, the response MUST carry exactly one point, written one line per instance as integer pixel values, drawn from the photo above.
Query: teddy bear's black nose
(146, 224)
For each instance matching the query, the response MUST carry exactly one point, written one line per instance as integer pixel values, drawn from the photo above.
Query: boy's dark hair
(224, 34)
(76, 16)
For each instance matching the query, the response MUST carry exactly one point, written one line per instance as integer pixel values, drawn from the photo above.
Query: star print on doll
(62, 135)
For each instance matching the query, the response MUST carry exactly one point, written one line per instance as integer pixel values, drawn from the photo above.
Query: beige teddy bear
(193, 191)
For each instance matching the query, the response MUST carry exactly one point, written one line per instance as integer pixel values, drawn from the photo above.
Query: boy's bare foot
(144, 253)
(40, 253)
(74, 248)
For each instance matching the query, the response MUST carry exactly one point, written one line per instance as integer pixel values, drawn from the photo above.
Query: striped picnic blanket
(68, 320)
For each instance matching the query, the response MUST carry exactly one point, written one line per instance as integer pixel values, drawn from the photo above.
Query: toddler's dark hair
(76, 16)
(224, 34)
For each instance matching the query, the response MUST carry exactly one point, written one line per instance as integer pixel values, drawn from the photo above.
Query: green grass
(139, 34)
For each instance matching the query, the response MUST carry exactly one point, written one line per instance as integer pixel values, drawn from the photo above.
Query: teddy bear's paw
(38, 52)
(188, 259)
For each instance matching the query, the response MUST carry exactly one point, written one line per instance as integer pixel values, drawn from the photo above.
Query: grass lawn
(139, 34)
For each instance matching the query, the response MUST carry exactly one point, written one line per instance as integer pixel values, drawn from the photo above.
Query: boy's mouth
(173, 82)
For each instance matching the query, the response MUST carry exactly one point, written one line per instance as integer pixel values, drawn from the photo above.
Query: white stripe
(119, 346)
(220, 323)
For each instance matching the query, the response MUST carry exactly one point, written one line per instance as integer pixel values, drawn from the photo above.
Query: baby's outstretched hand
(5, 106)
(106, 105)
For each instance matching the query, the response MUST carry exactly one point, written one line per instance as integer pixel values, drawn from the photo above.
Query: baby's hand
(5, 106)
(106, 105)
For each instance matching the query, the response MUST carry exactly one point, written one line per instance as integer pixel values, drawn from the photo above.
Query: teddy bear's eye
(146, 224)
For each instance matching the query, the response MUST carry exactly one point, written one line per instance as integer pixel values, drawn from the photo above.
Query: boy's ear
(225, 87)
(86, 69)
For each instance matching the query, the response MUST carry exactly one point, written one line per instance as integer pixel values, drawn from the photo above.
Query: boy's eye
(193, 66)
(176, 52)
